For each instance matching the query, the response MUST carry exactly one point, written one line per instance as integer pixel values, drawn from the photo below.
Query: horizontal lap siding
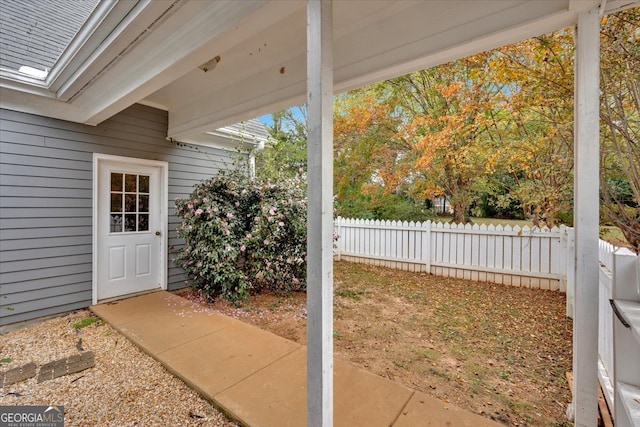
(46, 197)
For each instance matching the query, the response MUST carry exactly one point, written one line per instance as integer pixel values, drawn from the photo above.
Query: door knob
(157, 233)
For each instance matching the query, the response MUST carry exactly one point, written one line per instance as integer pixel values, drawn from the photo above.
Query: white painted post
(586, 186)
(339, 242)
(320, 214)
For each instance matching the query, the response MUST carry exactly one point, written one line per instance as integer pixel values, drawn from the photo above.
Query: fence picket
(475, 247)
(459, 248)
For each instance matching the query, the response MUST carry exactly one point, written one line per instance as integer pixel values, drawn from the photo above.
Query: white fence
(530, 257)
(618, 280)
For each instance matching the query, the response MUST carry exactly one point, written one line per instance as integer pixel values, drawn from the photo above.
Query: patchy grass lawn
(495, 350)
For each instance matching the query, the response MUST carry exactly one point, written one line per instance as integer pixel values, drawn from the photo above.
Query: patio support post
(586, 220)
(320, 214)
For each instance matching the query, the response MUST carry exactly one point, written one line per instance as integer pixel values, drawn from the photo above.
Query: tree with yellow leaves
(620, 122)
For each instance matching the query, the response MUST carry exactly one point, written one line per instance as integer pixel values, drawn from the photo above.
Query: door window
(129, 203)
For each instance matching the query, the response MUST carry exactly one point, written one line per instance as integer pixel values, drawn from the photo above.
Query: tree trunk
(460, 212)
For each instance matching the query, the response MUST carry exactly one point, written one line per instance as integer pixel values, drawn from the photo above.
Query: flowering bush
(243, 236)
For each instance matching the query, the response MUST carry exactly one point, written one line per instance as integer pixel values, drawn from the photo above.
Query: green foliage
(384, 206)
(566, 217)
(492, 198)
(243, 236)
(286, 154)
(87, 321)
(620, 190)
(620, 123)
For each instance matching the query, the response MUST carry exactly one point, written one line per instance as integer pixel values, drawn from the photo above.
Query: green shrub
(244, 236)
(565, 217)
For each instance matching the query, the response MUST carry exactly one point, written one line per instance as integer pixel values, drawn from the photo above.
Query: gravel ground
(126, 387)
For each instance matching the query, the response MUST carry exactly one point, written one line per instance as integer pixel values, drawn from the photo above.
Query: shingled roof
(252, 129)
(36, 32)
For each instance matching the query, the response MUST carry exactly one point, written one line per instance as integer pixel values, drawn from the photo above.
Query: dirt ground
(495, 350)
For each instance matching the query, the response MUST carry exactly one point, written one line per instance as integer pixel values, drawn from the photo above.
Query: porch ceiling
(266, 69)
(152, 55)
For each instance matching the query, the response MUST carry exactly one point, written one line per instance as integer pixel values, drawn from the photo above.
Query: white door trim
(164, 215)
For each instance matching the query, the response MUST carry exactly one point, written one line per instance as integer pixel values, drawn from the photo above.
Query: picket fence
(619, 275)
(530, 257)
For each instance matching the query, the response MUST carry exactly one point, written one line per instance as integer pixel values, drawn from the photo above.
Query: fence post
(338, 242)
(624, 273)
(562, 264)
(571, 274)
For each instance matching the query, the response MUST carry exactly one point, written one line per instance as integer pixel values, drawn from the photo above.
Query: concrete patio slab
(136, 308)
(218, 361)
(259, 378)
(365, 399)
(164, 331)
(361, 398)
(273, 397)
(423, 410)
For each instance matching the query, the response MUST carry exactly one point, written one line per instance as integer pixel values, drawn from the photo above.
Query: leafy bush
(566, 217)
(243, 236)
(385, 207)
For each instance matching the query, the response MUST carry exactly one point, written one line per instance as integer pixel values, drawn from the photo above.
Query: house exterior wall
(46, 202)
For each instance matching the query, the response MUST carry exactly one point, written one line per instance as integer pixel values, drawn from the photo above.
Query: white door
(131, 227)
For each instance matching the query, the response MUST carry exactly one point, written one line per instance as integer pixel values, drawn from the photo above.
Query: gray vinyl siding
(46, 172)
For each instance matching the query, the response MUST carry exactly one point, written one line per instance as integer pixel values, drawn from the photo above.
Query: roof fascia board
(104, 21)
(118, 35)
(176, 47)
(31, 103)
(21, 83)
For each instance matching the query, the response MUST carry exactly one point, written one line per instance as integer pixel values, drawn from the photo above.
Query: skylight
(34, 33)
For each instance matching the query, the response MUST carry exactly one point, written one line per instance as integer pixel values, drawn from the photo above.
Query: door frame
(163, 167)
